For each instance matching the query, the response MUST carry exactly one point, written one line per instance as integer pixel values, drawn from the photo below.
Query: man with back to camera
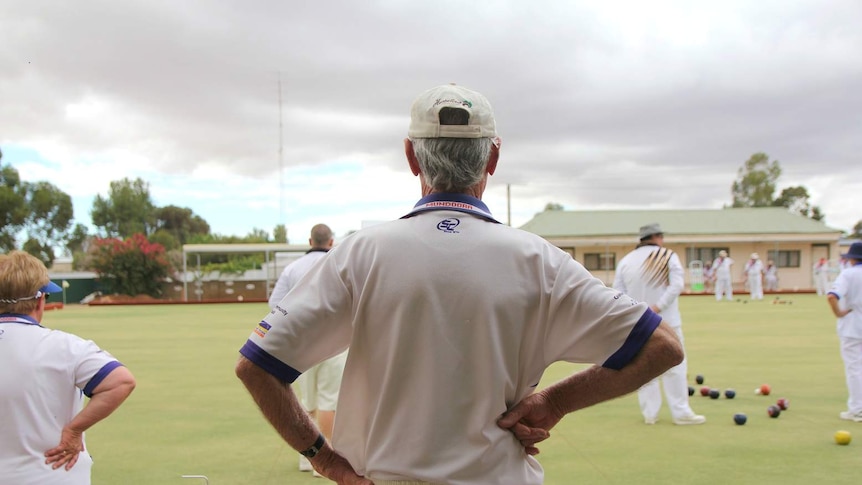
(653, 274)
(451, 319)
(319, 384)
(845, 301)
(44, 376)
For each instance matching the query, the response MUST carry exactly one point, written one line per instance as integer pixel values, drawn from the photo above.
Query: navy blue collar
(18, 318)
(453, 202)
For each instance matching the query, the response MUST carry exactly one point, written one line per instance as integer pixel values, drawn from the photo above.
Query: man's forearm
(279, 405)
(598, 384)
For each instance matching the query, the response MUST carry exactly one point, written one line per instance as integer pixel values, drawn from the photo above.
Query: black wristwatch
(315, 448)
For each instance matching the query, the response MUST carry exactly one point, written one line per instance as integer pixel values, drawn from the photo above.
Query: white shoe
(857, 417)
(692, 419)
(650, 420)
(304, 464)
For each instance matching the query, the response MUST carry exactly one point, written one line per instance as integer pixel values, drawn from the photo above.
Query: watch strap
(315, 448)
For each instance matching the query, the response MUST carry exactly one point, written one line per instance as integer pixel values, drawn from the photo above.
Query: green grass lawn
(190, 415)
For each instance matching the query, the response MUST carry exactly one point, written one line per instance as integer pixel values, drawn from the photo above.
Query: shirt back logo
(448, 225)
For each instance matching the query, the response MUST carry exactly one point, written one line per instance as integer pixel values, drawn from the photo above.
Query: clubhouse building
(599, 239)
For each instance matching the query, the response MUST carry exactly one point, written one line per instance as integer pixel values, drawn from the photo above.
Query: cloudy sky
(600, 104)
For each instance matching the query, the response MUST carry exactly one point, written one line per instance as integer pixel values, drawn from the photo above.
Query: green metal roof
(760, 220)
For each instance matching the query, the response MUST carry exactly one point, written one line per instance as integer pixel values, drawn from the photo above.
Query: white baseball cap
(425, 114)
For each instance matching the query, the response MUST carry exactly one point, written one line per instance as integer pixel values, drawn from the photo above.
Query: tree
(49, 221)
(127, 210)
(77, 240)
(13, 207)
(132, 266)
(755, 183)
(857, 230)
(796, 199)
(554, 206)
(40, 211)
(166, 239)
(181, 223)
(279, 234)
(257, 236)
(77, 245)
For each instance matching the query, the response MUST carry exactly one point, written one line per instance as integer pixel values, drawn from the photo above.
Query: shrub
(132, 266)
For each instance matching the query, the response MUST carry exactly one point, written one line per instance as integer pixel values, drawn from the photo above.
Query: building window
(704, 255)
(784, 259)
(600, 261)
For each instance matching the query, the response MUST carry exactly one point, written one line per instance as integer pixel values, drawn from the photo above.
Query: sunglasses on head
(38, 295)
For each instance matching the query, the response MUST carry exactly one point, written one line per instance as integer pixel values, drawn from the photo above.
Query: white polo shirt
(451, 319)
(721, 266)
(753, 267)
(292, 274)
(848, 288)
(654, 275)
(44, 376)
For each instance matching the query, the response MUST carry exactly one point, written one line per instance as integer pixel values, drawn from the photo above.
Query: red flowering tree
(133, 266)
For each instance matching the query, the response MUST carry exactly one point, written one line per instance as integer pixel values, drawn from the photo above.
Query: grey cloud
(580, 90)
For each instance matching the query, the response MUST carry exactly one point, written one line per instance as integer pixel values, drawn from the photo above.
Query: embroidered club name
(262, 328)
(447, 203)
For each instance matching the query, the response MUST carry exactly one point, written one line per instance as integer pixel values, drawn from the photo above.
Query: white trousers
(675, 385)
(821, 282)
(851, 353)
(723, 286)
(755, 287)
(320, 384)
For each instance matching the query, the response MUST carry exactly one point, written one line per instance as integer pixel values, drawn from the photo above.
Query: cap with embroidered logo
(425, 114)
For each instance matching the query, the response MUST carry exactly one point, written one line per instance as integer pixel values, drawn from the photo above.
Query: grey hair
(452, 164)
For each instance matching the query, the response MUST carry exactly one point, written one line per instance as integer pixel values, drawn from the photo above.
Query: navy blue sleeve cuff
(270, 364)
(100, 376)
(834, 294)
(639, 335)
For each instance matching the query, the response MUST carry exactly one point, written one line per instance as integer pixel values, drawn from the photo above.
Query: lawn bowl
(773, 411)
(842, 437)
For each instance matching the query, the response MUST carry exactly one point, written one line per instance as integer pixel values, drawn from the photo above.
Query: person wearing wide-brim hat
(653, 274)
(845, 300)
